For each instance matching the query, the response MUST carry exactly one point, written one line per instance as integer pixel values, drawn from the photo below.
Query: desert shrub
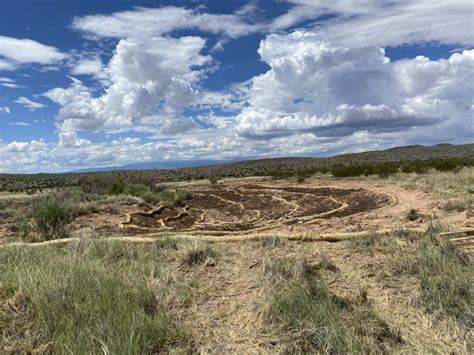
(94, 184)
(348, 171)
(51, 215)
(6, 211)
(23, 230)
(448, 165)
(136, 189)
(118, 187)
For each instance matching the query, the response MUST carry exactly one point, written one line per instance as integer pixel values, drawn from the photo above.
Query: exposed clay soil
(249, 207)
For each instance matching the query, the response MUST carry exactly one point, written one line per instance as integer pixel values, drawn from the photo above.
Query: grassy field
(270, 296)
(395, 293)
(456, 188)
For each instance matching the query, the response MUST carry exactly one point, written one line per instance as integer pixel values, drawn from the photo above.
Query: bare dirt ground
(320, 205)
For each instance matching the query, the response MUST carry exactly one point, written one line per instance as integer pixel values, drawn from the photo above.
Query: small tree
(118, 187)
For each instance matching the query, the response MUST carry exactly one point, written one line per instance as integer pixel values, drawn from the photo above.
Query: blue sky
(106, 83)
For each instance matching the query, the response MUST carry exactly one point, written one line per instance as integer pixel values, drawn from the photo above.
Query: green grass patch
(91, 297)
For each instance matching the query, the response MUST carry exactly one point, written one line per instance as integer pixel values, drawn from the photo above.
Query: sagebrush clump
(51, 214)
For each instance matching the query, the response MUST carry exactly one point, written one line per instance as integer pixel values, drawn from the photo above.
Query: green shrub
(51, 215)
(118, 187)
(181, 196)
(167, 197)
(137, 190)
(150, 197)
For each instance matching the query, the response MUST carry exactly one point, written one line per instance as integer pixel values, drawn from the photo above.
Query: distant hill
(135, 173)
(175, 164)
(412, 152)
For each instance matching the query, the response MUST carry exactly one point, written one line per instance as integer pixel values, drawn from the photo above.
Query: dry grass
(90, 297)
(310, 319)
(456, 187)
(262, 296)
(445, 277)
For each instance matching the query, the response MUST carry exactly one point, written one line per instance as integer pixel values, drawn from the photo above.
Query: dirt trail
(225, 316)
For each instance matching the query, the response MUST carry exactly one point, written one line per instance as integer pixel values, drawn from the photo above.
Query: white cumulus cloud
(149, 79)
(335, 91)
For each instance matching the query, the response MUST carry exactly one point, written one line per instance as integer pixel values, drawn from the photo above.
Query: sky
(88, 83)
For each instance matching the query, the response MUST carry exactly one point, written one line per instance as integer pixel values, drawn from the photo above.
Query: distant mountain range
(167, 165)
(412, 152)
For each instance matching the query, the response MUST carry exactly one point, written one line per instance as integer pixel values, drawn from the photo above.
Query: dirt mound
(250, 207)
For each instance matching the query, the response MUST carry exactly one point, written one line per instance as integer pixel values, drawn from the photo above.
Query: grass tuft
(196, 253)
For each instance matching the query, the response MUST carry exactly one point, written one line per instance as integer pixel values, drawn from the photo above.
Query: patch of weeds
(166, 243)
(286, 269)
(405, 235)
(86, 208)
(456, 205)
(326, 264)
(365, 243)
